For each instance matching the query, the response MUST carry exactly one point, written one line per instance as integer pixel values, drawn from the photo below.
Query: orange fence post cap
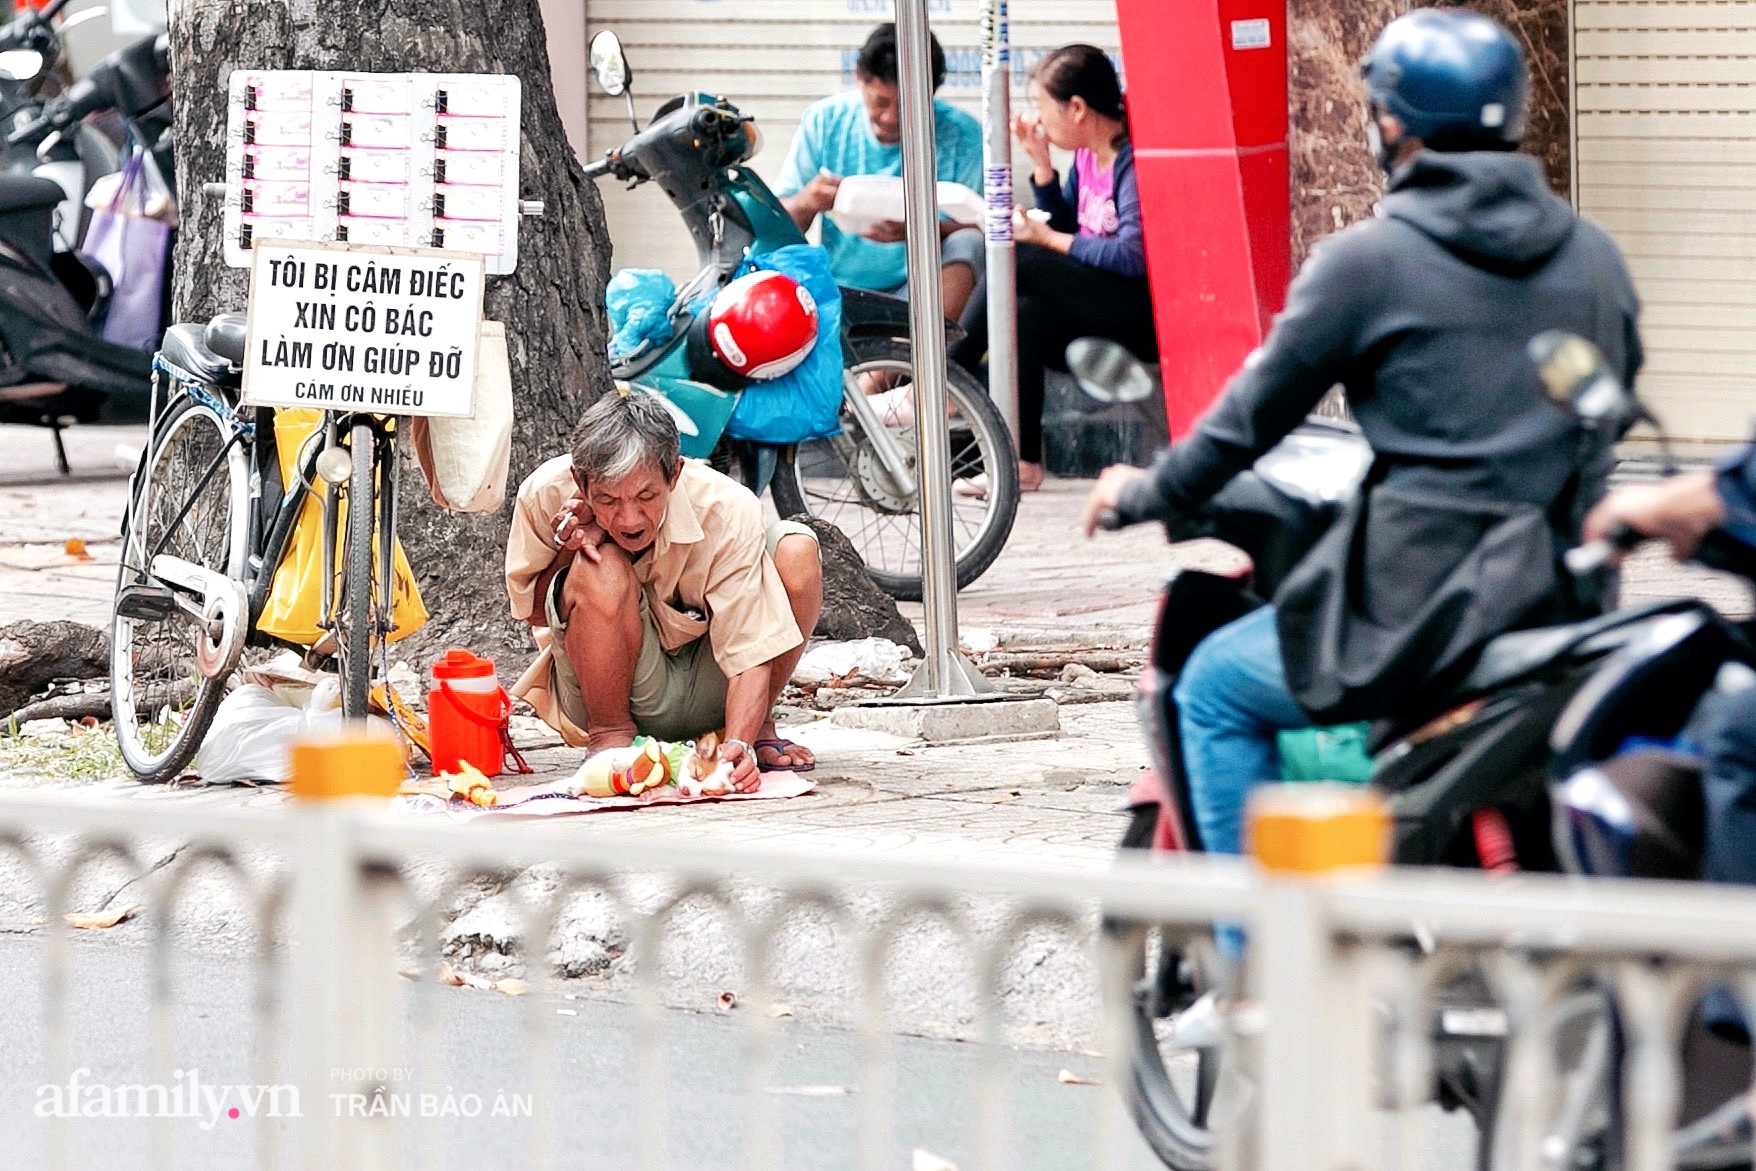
(1316, 828)
(346, 764)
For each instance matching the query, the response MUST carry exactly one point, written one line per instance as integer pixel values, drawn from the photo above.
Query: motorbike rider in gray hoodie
(1423, 315)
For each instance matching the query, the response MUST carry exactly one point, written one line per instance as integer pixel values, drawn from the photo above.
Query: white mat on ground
(553, 799)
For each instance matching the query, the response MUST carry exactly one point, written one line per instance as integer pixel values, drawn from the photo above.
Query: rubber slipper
(781, 746)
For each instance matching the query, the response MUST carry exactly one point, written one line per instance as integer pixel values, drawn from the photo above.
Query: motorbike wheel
(1169, 1096)
(1580, 1130)
(192, 493)
(840, 479)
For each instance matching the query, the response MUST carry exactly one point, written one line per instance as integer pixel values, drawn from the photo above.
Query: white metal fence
(1333, 1041)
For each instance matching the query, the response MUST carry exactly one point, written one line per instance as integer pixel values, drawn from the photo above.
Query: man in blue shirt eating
(860, 133)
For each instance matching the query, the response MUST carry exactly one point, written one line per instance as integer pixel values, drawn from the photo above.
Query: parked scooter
(1465, 773)
(32, 73)
(55, 369)
(864, 480)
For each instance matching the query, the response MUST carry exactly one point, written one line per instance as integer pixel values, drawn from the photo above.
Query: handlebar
(1594, 555)
(601, 167)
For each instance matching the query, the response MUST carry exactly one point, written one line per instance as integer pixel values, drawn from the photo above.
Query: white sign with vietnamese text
(388, 331)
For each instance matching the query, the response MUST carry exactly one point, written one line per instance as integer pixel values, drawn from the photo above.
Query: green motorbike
(864, 479)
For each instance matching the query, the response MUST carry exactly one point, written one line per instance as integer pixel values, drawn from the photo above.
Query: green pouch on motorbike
(701, 410)
(1325, 754)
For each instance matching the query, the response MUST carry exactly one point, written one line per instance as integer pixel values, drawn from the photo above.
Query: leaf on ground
(728, 1000)
(776, 1011)
(450, 975)
(511, 986)
(999, 798)
(91, 920)
(75, 548)
(1068, 1078)
(926, 1160)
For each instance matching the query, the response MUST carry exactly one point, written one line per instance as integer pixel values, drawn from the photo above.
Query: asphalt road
(478, 1049)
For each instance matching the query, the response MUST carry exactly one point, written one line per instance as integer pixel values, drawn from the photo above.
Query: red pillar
(1207, 103)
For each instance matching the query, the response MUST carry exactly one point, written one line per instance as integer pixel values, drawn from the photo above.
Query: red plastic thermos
(467, 710)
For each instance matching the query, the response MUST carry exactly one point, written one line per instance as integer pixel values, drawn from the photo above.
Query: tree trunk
(552, 306)
(35, 654)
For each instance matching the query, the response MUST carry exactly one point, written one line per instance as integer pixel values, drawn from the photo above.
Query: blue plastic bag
(639, 302)
(805, 402)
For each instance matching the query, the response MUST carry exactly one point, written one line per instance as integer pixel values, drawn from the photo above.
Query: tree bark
(853, 605)
(553, 305)
(35, 654)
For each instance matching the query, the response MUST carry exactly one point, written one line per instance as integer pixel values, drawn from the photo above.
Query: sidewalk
(1057, 801)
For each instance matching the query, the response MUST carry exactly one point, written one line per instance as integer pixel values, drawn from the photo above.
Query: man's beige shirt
(709, 558)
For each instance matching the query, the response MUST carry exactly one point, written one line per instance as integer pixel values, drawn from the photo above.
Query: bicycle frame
(274, 516)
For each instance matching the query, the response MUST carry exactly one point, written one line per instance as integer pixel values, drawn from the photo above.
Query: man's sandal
(782, 747)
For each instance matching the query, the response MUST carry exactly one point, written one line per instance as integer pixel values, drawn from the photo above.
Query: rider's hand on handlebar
(1106, 494)
(1678, 511)
(575, 530)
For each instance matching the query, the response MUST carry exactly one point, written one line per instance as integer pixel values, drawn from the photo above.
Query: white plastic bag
(249, 737)
(254, 730)
(877, 659)
(466, 461)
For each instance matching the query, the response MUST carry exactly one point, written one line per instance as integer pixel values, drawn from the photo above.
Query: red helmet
(763, 324)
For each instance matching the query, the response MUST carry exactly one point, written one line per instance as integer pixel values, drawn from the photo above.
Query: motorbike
(864, 479)
(1466, 773)
(33, 72)
(55, 368)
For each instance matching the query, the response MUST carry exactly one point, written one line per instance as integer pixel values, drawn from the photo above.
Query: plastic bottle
(467, 712)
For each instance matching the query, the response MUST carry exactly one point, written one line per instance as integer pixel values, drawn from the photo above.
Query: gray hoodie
(1423, 315)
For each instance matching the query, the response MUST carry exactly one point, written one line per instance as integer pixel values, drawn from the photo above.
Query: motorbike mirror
(610, 64)
(1579, 379)
(20, 64)
(1107, 372)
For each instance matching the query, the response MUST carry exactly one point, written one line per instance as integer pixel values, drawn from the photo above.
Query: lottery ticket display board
(425, 160)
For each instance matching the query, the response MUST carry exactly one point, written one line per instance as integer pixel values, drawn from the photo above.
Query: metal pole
(944, 673)
(997, 183)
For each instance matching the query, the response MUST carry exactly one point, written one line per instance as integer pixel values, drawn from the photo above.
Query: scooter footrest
(144, 602)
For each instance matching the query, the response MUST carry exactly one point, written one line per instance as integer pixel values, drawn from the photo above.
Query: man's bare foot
(1030, 476)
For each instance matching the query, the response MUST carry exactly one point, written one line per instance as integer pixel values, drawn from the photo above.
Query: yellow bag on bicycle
(293, 610)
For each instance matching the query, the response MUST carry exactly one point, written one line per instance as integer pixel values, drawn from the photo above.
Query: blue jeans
(1232, 699)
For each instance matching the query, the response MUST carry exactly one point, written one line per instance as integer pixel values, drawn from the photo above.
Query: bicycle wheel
(842, 480)
(169, 655)
(358, 635)
(1170, 1091)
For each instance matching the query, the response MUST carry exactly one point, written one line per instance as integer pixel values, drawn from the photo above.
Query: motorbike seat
(1515, 656)
(225, 336)
(185, 349)
(29, 193)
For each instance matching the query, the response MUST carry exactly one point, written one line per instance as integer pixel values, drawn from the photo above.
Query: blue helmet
(1456, 80)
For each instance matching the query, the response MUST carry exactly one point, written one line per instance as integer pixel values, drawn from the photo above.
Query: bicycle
(208, 523)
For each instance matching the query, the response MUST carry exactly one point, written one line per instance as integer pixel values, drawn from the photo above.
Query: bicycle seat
(184, 348)
(225, 337)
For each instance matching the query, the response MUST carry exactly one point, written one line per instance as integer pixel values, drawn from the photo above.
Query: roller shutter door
(773, 58)
(1665, 102)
